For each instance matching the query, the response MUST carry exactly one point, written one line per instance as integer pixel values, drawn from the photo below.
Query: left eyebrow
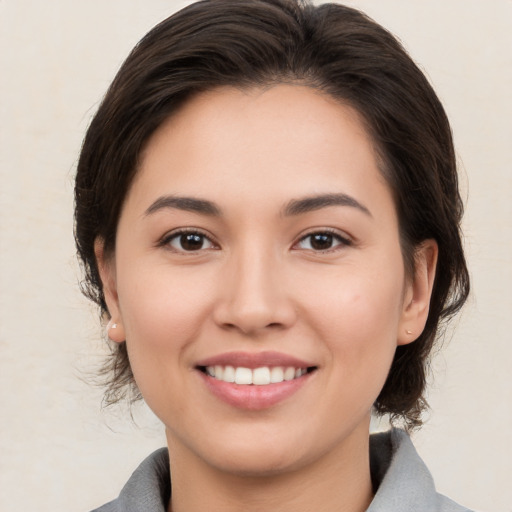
(189, 204)
(312, 203)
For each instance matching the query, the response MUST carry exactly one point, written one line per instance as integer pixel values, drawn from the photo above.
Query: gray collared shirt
(401, 479)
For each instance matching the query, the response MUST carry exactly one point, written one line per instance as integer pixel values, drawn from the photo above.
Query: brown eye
(322, 241)
(189, 242)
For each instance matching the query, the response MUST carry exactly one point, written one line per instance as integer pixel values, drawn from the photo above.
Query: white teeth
(243, 376)
(259, 376)
(276, 374)
(219, 372)
(229, 374)
(289, 373)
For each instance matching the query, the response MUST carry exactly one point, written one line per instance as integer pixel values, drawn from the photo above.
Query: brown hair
(332, 48)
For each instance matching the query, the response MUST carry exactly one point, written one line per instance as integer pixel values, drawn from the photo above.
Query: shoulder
(401, 479)
(148, 489)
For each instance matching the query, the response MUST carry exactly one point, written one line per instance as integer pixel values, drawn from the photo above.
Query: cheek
(360, 336)
(355, 299)
(161, 299)
(163, 313)
(358, 318)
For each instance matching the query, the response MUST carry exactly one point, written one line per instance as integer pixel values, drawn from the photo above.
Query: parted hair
(258, 43)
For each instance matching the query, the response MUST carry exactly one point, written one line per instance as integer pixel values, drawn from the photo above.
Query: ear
(107, 271)
(418, 291)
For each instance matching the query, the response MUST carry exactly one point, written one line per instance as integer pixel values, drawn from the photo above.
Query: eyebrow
(189, 204)
(294, 207)
(312, 203)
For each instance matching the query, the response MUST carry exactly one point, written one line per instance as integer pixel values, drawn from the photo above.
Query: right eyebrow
(317, 202)
(189, 204)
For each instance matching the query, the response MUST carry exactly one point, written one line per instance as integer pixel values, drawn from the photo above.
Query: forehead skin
(244, 130)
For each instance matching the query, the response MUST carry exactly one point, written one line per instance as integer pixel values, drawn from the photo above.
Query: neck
(340, 481)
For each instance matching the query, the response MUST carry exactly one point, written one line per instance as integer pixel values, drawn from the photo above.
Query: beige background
(58, 451)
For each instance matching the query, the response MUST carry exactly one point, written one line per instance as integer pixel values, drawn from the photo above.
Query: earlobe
(419, 290)
(106, 268)
(115, 332)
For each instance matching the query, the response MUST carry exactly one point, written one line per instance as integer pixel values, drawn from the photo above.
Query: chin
(251, 453)
(259, 463)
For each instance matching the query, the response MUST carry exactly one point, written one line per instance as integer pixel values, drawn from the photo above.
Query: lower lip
(253, 397)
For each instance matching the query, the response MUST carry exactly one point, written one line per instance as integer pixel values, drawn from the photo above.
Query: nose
(254, 297)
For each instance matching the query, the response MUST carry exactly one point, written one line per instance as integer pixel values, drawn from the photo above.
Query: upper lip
(254, 360)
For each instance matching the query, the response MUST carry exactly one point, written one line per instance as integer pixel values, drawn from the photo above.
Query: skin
(256, 283)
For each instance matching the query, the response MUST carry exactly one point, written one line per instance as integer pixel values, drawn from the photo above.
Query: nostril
(229, 326)
(250, 325)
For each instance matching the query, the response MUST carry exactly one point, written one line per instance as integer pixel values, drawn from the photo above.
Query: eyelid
(341, 236)
(165, 240)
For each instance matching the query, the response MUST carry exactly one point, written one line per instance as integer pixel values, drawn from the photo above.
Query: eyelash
(167, 240)
(343, 241)
(175, 235)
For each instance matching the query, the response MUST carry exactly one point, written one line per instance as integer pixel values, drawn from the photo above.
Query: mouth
(259, 376)
(254, 381)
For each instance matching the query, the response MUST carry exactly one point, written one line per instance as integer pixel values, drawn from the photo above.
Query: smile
(260, 376)
(255, 381)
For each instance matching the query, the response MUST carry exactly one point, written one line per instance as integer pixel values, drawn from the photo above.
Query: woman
(268, 215)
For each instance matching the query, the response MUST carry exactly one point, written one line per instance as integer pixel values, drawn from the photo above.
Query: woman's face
(259, 242)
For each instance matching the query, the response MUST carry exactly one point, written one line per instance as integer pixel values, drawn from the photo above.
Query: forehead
(256, 142)
(279, 111)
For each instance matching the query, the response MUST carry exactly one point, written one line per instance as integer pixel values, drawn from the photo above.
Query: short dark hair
(332, 48)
